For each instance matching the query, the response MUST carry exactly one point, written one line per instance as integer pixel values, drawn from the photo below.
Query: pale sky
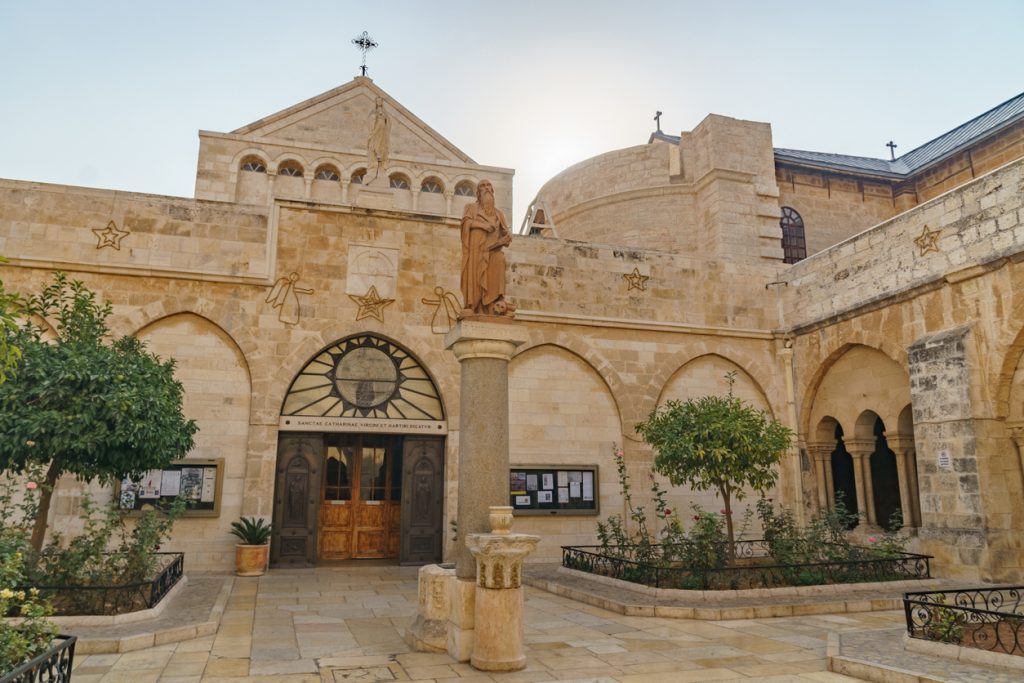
(112, 94)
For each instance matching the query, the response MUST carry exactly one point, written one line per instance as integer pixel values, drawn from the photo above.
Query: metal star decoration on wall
(110, 236)
(927, 241)
(371, 305)
(636, 280)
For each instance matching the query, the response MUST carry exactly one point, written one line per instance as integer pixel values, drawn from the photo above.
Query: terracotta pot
(251, 560)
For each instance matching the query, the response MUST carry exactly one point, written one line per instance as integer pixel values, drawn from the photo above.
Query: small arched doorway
(360, 459)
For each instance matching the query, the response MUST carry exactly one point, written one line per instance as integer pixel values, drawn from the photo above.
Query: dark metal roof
(658, 135)
(992, 121)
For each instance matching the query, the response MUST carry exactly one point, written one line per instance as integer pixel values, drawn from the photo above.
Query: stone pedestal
(483, 347)
(498, 632)
(429, 632)
(373, 197)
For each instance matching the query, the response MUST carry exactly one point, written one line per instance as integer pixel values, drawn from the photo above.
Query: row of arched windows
(398, 181)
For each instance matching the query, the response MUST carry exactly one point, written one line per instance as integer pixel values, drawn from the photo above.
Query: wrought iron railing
(672, 566)
(983, 618)
(116, 599)
(53, 666)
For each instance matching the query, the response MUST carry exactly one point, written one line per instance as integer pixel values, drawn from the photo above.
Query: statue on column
(485, 234)
(378, 145)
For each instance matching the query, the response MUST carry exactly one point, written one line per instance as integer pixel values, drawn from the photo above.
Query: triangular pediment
(340, 119)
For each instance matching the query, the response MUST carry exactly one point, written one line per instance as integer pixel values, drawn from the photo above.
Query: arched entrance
(360, 458)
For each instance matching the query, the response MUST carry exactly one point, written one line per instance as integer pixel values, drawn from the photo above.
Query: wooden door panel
(296, 492)
(335, 531)
(422, 501)
(369, 543)
(370, 516)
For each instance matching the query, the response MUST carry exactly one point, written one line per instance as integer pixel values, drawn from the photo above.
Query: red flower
(31, 486)
(696, 518)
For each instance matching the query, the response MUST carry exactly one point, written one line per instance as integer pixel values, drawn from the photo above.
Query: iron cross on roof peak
(657, 120)
(892, 149)
(364, 43)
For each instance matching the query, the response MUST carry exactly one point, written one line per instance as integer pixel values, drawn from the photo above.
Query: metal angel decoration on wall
(284, 297)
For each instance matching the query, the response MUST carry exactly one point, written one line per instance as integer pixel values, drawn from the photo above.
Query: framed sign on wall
(198, 480)
(554, 490)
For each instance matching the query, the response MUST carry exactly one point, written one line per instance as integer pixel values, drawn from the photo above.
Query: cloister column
(860, 450)
(899, 446)
(822, 455)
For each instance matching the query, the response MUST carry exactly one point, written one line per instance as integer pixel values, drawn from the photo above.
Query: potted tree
(252, 552)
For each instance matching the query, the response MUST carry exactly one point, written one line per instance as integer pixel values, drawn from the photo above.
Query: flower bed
(52, 666)
(753, 567)
(116, 599)
(982, 618)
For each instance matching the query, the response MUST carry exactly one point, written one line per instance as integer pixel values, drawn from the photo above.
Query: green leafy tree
(9, 353)
(83, 404)
(718, 443)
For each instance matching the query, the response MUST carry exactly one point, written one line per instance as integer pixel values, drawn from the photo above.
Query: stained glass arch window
(364, 376)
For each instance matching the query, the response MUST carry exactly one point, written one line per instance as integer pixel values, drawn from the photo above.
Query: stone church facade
(874, 306)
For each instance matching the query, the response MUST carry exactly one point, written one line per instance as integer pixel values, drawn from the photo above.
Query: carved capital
(499, 558)
(483, 348)
(820, 450)
(860, 448)
(1016, 432)
(900, 444)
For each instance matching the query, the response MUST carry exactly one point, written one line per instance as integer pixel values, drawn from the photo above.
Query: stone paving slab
(615, 597)
(193, 612)
(262, 637)
(880, 655)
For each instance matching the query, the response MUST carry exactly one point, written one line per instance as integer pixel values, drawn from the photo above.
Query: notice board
(198, 480)
(554, 490)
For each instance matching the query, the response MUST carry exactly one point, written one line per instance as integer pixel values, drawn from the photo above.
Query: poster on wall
(553, 490)
(196, 480)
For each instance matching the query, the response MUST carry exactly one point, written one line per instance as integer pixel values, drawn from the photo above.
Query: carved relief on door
(422, 506)
(296, 491)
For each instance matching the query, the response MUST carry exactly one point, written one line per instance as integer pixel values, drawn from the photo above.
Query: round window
(366, 377)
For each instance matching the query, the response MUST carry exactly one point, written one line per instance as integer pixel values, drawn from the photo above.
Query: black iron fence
(53, 666)
(983, 618)
(116, 599)
(663, 566)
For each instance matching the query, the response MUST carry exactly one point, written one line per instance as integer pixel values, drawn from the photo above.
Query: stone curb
(150, 638)
(118, 619)
(828, 602)
(967, 655)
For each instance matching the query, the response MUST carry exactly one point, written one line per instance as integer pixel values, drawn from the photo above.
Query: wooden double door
(356, 496)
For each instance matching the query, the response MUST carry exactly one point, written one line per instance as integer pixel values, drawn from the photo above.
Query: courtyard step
(880, 655)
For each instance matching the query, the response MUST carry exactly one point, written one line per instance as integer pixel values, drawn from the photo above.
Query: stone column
(821, 453)
(498, 636)
(448, 203)
(345, 182)
(861, 450)
(483, 348)
(898, 445)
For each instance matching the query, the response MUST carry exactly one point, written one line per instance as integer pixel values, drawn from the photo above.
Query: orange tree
(718, 443)
(82, 403)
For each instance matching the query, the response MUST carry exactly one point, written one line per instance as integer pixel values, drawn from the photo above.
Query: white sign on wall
(945, 462)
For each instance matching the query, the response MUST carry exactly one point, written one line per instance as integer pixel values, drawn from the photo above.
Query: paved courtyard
(347, 623)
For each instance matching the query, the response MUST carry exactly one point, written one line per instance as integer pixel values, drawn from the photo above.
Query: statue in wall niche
(378, 145)
(485, 234)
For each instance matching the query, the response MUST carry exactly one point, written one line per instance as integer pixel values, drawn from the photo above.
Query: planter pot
(53, 666)
(251, 560)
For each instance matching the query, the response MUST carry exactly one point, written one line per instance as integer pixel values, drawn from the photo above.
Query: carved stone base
(462, 619)
(498, 632)
(375, 198)
(429, 631)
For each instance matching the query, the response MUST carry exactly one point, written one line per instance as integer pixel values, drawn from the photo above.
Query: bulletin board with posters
(554, 490)
(199, 481)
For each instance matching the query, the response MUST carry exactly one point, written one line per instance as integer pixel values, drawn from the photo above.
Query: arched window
(327, 173)
(253, 165)
(794, 245)
(357, 176)
(290, 168)
(399, 181)
(465, 189)
(433, 185)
